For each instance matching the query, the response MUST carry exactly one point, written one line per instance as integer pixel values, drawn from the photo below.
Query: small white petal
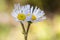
(22, 9)
(27, 6)
(38, 10)
(26, 11)
(37, 13)
(14, 14)
(16, 10)
(35, 10)
(32, 9)
(17, 6)
(40, 14)
(28, 18)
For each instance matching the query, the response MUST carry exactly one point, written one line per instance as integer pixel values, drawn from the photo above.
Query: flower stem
(26, 32)
(23, 27)
(26, 35)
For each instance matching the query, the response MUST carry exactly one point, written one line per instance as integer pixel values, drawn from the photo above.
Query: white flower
(36, 15)
(27, 13)
(20, 12)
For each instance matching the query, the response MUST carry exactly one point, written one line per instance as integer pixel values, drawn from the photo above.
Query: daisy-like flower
(20, 12)
(36, 15)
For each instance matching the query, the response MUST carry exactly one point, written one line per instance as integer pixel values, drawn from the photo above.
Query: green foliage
(4, 29)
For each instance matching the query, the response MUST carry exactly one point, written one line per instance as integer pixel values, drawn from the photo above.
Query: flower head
(27, 13)
(36, 14)
(20, 12)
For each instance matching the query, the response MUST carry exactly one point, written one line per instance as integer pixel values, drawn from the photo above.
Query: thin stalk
(26, 35)
(26, 32)
(23, 27)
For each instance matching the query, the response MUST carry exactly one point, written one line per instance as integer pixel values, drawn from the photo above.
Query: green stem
(26, 32)
(23, 27)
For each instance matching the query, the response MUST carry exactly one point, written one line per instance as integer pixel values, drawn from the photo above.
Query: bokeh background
(48, 29)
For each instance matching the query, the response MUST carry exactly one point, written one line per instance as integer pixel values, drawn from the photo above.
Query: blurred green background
(48, 29)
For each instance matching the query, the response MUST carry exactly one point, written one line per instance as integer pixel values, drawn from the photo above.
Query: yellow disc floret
(33, 17)
(21, 16)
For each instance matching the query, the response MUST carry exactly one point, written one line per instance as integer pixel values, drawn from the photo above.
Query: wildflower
(36, 15)
(20, 12)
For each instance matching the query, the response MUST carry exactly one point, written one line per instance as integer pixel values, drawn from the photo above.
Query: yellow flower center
(33, 17)
(21, 17)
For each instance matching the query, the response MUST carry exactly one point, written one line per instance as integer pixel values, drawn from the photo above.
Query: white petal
(28, 18)
(40, 14)
(43, 18)
(35, 10)
(27, 6)
(26, 11)
(17, 6)
(14, 14)
(16, 11)
(38, 10)
(22, 9)
(32, 9)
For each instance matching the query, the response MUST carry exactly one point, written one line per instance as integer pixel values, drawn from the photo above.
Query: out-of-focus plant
(4, 30)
